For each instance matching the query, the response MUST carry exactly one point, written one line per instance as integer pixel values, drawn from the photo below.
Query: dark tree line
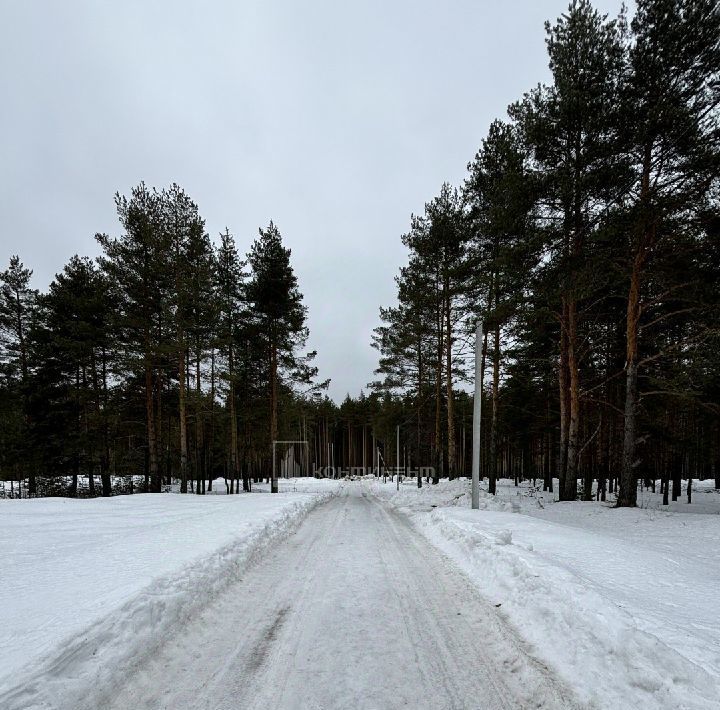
(168, 356)
(587, 239)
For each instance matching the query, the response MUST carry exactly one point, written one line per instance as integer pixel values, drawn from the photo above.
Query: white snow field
(88, 586)
(352, 610)
(623, 604)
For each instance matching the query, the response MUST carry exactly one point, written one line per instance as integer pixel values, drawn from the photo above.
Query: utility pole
(477, 404)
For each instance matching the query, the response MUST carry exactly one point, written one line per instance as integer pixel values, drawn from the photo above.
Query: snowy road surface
(354, 610)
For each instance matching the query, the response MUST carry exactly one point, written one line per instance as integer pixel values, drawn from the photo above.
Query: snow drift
(620, 602)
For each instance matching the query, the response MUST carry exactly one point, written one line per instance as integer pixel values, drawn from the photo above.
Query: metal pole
(477, 403)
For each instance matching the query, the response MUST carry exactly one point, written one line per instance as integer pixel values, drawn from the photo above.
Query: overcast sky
(337, 120)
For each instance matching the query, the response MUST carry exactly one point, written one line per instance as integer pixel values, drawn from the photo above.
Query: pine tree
(69, 344)
(571, 129)
(231, 317)
(404, 342)
(671, 101)
(500, 196)
(278, 313)
(138, 264)
(437, 242)
(202, 319)
(17, 308)
(190, 295)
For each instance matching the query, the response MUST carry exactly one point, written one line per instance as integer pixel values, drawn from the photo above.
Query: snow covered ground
(87, 584)
(352, 612)
(622, 603)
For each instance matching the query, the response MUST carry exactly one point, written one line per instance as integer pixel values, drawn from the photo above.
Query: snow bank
(623, 603)
(90, 587)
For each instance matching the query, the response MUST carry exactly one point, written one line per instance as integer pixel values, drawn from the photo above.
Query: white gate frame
(273, 477)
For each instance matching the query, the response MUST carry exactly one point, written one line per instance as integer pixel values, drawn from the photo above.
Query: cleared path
(352, 611)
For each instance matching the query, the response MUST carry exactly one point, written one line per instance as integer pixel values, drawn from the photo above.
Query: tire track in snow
(352, 610)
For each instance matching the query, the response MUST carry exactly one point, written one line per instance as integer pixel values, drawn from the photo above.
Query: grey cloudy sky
(334, 119)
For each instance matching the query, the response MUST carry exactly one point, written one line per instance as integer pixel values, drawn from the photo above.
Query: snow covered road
(353, 610)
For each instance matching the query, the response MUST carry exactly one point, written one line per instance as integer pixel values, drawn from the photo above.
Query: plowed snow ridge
(92, 586)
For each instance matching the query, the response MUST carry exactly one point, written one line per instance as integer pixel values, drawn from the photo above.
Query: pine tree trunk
(105, 459)
(495, 404)
(199, 432)
(211, 467)
(452, 453)
(234, 462)
(547, 463)
(101, 414)
(273, 395)
(563, 382)
(32, 480)
(438, 403)
(273, 409)
(627, 496)
(157, 478)
(676, 472)
(246, 480)
(570, 488)
(588, 477)
(602, 459)
(182, 410)
(152, 469)
(483, 359)
(420, 388)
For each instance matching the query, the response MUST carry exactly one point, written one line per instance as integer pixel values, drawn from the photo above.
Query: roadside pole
(477, 412)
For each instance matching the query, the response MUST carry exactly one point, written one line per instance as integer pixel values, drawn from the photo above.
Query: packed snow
(88, 583)
(621, 602)
(350, 612)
